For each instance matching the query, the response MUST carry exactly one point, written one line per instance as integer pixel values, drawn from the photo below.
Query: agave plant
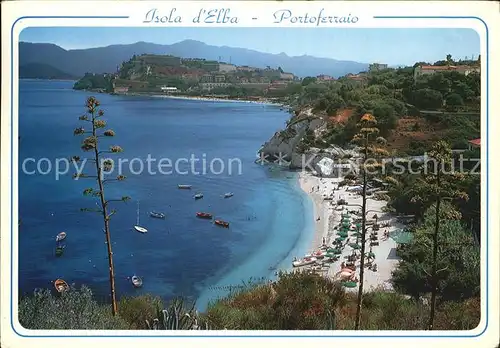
(177, 317)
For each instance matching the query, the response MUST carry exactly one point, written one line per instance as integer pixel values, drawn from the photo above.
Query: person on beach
(386, 235)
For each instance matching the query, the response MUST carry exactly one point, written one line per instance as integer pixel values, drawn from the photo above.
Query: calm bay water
(271, 218)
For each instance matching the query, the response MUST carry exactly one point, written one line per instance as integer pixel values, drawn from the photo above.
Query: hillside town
(167, 74)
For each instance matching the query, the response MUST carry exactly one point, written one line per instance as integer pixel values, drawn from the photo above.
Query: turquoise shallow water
(271, 218)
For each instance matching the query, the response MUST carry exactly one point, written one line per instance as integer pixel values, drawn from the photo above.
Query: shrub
(71, 310)
(297, 301)
(137, 310)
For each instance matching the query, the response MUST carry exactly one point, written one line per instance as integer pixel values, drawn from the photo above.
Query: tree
(367, 138)
(90, 144)
(458, 254)
(308, 80)
(386, 118)
(427, 98)
(449, 60)
(454, 101)
(433, 187)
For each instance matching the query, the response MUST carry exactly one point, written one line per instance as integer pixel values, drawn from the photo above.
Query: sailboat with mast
(138, 227)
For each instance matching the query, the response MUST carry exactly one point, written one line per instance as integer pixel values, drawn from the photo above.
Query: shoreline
(262, 101)
(250, 100)
(317, 189)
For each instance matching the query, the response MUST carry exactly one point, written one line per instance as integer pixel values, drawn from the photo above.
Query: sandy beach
(327, 217)
(215, 99)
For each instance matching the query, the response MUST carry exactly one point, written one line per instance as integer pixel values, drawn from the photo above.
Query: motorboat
(61, 285)
(303, 262)
(136, 281)
(60, 236)
(222, 223)
(184, 187)
(228, 195)
(204, 215)
(198, 196)
(157, 215)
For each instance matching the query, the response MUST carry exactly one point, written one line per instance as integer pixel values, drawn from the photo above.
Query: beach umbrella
(350, 284)
(337, 251)
(355, 246)
(342, 234)
(370, 254)
(340, 239)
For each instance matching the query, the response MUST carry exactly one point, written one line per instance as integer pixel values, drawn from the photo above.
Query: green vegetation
(71, 310)
(90, 81)
(412, 112)
(296, 301)
(458, 256)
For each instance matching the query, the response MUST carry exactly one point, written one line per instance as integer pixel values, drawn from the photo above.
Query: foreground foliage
(72, 310)
(295, 302)
(458, 257)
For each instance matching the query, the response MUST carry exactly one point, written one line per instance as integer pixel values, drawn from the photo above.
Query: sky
(393, 46)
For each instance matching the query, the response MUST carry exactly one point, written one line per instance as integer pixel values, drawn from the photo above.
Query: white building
(168, 89)
(227, 67)
(286, 76)
(211, 85)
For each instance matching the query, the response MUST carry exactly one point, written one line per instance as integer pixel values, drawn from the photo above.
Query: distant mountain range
(43, 71)
(106, 59)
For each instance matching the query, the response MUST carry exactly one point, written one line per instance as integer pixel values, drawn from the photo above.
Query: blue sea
(271, 219)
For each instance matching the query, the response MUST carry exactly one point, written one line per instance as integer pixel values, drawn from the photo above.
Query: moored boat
(138, 228)
(304, 261)
(60, 249)
(157, 215)
(60, 236)
(198, 196)
(184, 187)
(61, 285)
(222, 223)
(228, 195)
(136, 281)
(204, 215)
(317, 254)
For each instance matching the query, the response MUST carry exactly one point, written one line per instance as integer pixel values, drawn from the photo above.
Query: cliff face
(282, 148)
(285, 149)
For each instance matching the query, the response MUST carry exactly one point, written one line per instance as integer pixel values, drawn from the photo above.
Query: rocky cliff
(286, 147)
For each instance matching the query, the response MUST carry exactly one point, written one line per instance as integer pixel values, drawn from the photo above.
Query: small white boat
(228, 195)
(136, 281)
(137, 227)
(157, 215)
(140, 229)
(304, 261)
(198, 196)
(61, 236)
